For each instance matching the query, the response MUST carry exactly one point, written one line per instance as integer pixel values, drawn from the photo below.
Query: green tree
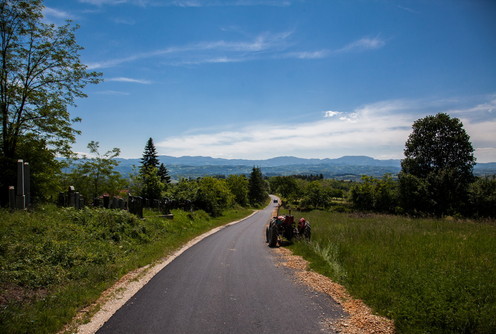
(482, 197)
(257, 188)
(40, 76)
(164, 174)
(439, 152)
(95, 175)
(213, 196)
(150, 156)
(152, 185)
(238, 185)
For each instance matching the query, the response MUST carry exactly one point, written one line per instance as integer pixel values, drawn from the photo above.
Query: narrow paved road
(227, 283)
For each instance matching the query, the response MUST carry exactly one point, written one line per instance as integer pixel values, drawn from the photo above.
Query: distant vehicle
(276, 201)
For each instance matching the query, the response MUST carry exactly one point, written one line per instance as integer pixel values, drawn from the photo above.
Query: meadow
(428, 275)
(55, 261)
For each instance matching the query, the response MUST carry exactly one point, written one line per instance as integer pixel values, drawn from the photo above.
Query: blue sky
(257, 79)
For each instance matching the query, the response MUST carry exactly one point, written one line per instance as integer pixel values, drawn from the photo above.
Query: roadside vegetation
(55, 261)
(428, 275)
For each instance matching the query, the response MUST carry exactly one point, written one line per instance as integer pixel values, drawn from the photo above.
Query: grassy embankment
(428, 275)
(55, 261)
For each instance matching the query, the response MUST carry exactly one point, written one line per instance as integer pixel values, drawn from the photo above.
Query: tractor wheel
(267, 234)
(272, 235)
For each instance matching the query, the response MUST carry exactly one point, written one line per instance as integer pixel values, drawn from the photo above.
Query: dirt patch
(361, 320)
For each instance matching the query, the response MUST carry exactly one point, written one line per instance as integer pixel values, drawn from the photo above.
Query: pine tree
(257, 189)
(150, 156)
(164, 174)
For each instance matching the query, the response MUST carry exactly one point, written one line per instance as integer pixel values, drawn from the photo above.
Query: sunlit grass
(429, 275)
(55, 261)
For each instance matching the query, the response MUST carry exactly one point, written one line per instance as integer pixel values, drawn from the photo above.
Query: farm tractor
(284, 227)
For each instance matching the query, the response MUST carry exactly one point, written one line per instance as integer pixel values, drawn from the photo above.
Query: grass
(428, 275)
(55, 261)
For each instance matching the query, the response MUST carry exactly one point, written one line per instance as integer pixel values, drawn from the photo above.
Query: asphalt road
(227, 283)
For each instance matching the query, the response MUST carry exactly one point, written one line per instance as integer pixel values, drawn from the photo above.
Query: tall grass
(55, 261)
(428, 275)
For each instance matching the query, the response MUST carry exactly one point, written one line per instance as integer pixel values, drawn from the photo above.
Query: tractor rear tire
(272, 235)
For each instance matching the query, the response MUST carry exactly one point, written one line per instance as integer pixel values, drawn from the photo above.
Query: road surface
(227, 283)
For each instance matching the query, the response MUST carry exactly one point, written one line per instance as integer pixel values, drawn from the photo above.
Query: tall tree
(257, 188)
(40, 76)
(150, 176)
(439, 152)
(150, 156)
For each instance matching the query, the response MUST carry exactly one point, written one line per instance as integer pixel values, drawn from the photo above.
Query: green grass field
(56, 261)
(428, 275)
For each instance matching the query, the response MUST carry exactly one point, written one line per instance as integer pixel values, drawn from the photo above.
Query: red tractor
(284, 227)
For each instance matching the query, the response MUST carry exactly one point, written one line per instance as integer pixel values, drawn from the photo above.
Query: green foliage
(40, 75)
(153, 177)
(213, 196)
(482, 197)
(428, 275)
(150, 156)
(95, 175)
(152, 186)
(55, 261)
(257, 188)
(375, 194)
(439, 151)
(238, 185)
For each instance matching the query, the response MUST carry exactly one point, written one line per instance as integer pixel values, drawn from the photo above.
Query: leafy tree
(152, 185)
(213, 196)
(257, 188)
(482, 197)
(95, 175)
(238, 185)
(40, 76)
(375, 194)
(150, 156)
(439, 152)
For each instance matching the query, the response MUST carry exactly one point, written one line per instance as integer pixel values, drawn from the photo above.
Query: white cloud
(377, 129)
(130, 80)
(56, 14)
(331, 113)
(363, 44)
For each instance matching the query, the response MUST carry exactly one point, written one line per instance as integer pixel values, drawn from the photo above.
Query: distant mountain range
(346, 168)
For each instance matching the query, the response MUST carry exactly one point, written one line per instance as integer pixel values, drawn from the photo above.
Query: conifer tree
(150, 156)
(257, 189)
(163, 174)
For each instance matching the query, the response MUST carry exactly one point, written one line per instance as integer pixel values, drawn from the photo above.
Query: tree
(95, 175)
(150, 156)
(439, 152)
(152, 176)
(238, 185)
(164, 174)
(213, 196)
(257, 189)
(40, 76)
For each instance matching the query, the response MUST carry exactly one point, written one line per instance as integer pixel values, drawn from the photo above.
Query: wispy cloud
(377, 129)
(190, 3)
(266, 45)
(56, 14)
(208, 52)
(129, 80)
(363, 44)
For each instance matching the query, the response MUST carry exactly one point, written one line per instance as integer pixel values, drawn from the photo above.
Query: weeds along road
(227, 283)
